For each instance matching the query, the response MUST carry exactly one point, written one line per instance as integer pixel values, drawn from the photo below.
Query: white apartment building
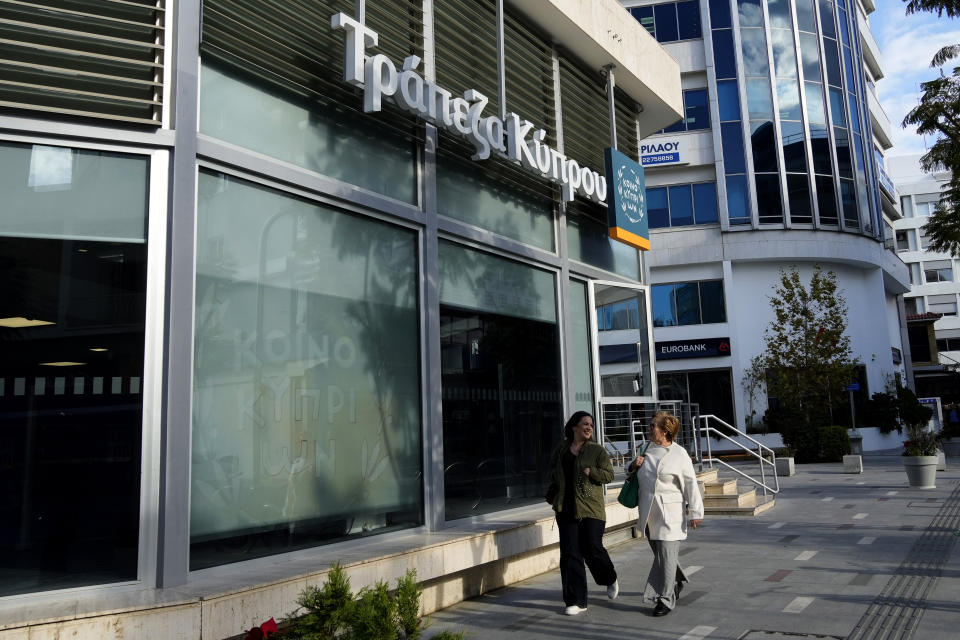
(934, 286)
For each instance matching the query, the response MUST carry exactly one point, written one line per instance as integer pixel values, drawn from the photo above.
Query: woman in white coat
(669, 501)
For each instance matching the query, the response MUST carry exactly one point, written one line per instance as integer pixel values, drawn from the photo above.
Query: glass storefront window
(73, 256)
(340, 145)
(589, 242)
(501, 384)
(493, 204)
(306, 411)
(580, 348)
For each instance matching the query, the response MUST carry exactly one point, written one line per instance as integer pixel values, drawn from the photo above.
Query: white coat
(673, 484)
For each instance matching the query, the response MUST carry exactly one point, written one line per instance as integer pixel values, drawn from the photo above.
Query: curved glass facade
(794, 125)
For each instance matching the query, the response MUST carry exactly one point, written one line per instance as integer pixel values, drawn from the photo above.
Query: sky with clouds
(907, 44)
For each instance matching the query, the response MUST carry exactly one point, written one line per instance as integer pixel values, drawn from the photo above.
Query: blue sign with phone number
(661, 158)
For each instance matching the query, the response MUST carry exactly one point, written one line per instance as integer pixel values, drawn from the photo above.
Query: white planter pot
(921, 471)
(785, 467)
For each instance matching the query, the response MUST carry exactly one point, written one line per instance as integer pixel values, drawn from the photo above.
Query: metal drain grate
(896, 611)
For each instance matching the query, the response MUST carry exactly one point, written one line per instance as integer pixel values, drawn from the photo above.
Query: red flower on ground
(265, 630)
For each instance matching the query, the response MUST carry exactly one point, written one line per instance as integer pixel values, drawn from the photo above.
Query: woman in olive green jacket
(578, 470)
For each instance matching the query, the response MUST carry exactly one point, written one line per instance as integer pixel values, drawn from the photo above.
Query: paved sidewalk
(840, 556)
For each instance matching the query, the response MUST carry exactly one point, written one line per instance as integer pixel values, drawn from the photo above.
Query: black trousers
(582, 541)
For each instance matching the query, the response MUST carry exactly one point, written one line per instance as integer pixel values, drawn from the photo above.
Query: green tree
(937, 115)
(807, 361)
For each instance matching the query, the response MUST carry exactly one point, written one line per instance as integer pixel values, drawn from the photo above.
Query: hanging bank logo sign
(511, 138)
(626, 201)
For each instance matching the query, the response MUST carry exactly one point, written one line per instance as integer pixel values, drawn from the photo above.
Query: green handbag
(629, 492)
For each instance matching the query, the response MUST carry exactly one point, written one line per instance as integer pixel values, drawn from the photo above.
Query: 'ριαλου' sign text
(657, 151)
(511, 138)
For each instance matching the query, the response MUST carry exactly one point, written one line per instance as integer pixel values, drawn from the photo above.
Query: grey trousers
(664, 574)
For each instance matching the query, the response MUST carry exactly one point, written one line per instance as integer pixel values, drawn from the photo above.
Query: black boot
(677, 588)
(661, 609)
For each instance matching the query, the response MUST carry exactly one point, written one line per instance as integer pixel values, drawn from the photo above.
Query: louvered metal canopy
(600, 33)
(92, 58)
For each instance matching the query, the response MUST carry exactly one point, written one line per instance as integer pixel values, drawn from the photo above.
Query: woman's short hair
(668, 422)
(574, 421)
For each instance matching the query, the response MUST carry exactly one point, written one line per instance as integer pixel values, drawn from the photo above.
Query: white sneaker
(573, 610)
(613, 590)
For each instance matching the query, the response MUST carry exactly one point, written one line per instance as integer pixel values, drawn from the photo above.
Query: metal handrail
(706, 431)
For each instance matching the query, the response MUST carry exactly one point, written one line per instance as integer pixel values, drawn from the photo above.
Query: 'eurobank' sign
(663, 151)
(701, 348)
(511, 138)
(626, 200)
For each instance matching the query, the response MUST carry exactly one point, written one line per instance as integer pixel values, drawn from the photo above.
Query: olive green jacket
(589, 499)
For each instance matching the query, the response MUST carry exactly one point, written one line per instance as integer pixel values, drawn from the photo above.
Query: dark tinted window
(833, 62)
(705, 202)
(731, 134)
(688, 20)
(821, 149)
(844, 31)
(848, 67)
(723, 57)
(697, 109)
(664, 308)
(849, 203)
(675, 127)
(659, 215)
(729, 100)
(836, 108)
(720, 14)
(712, 307)
(854, 112)
(842, 144)
(826, 200)
(794, 150)
(644, 16)
(681, 206)
(688, 303)
(768, 198)
(738, 202)
(763, 139)
(665, 16)
(826, 19)
(798, 193)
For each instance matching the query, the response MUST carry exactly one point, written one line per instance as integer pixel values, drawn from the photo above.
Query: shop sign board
(626, 200)
(699, 348)
(512, 138)
(663, 151)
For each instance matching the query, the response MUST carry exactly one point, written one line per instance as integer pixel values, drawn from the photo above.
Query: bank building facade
(290, 283)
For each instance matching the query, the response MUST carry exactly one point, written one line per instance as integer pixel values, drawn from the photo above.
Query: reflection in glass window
(794, 149)
(805, 17)
(731, 135)
(696, 111)
(836, 108)
(658, 209)
(644, 15)
(723, 56)
(664, 303)
(827, 201)
(705, 202)
(938, 271)
(842, 144)
(720, 14)
(798, 191)
(73, 255)
(810, 53)
(338, 144)
(848, 201)
(753, 46)
(681, 206)
(820, 144)
(779, 11)
(738, 200)
(306, 404)
(816, 111)
(827, 26)
(665, 16)
(832, 57)
(712, 391)
(677, 206)
(580, 358)
(788, 100)
(729, 99)
(688, 20)
(784, 53)
(688, 303)
(751, 13)
(763, 140)
(768, 198)
(759, 102)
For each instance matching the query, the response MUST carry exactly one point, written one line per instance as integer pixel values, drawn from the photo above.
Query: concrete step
(757, 509)
(720, 488)
(746, 498)
(707, 475)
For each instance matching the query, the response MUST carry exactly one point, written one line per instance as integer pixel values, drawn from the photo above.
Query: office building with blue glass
(778, 162)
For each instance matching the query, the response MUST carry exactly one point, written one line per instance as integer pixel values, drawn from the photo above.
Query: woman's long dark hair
(574, 421)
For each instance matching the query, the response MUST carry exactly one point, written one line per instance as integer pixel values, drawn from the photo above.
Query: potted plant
(920, 457)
